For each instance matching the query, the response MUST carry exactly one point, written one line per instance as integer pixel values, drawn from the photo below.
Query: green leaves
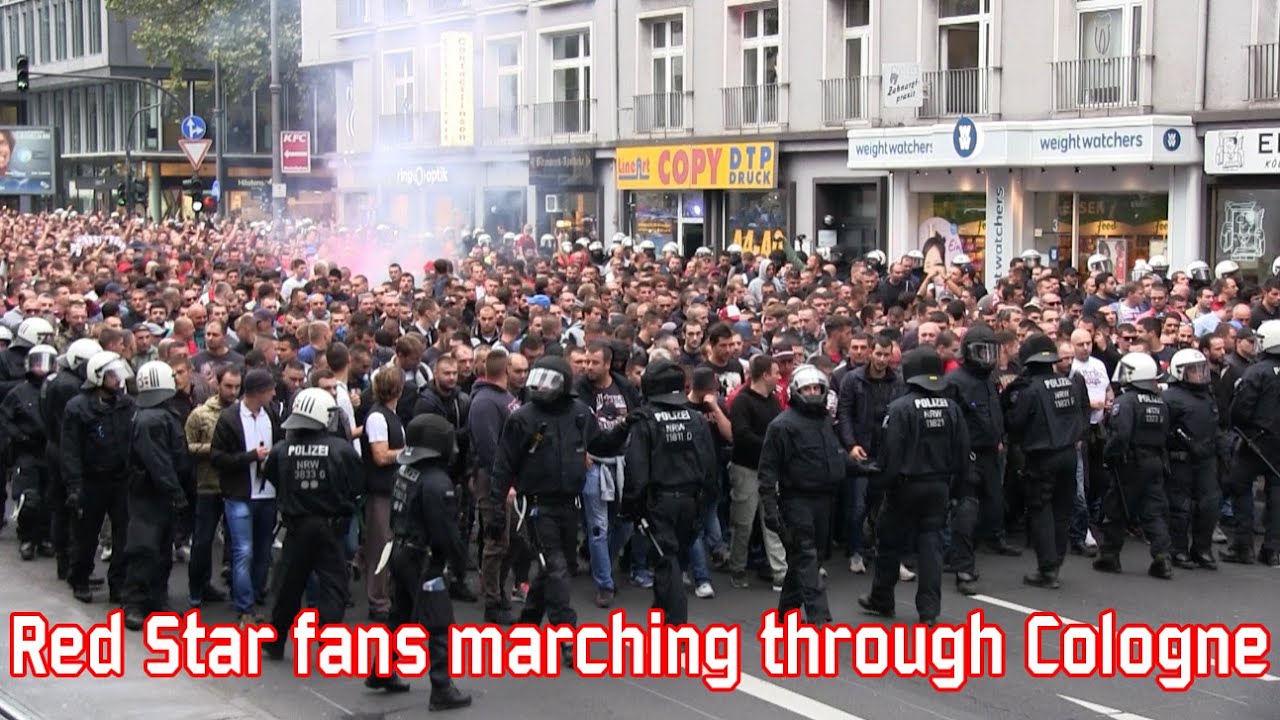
(189, 34)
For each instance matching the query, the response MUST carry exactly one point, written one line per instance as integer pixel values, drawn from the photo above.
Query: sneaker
(520, 593)
(642, 580)
(247, 619)
(604, 598)
(905, 574)
(1219, 537)
(739, 580)
(822, 573)
(1089, 542)
(105, 555)
(778, 580)
(857, 565)
(705, 591)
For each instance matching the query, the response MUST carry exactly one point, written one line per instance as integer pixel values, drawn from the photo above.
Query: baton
(382, 560)
(643, 524)
(520, 504)
(17, 510)
(1253, 445)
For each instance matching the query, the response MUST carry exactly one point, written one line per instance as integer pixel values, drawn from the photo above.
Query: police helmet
(1226, 268)
(6, 335)
(671, 248)
(1269, 337)
(595, 246)
(41, 361)
(960, 260)
(922, 367)
(1189, 366)
(1159, 265)
(32, 332)
(618, 238)
(734, 249)
(916, 257)
(626, 241)
(566, 247)
(547, 239)
(1038, 349)
(1100, 263)
(156, 383)
(807, 376)
(663, 382)
(1275, 267)
(980, 348)
(647, 245)
(1031, 257)
(1198, 271)
(509, 238)
(703, 251)
(877, 258)
(103, 364)
(312, 409)
(548, 381)
(428, 437)
(1137, 369)
(1140, 269)
(79, 352)
(583, 241)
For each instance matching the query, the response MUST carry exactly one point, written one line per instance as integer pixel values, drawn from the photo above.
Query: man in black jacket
(22, 432)
(54, 397)
(241, 442)
(491, 404)
(752, 410)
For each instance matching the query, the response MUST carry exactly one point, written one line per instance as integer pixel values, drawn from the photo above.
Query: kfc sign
(295, 152)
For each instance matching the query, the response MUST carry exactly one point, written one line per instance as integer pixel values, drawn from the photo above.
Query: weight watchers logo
(965, 137)
(420, 176)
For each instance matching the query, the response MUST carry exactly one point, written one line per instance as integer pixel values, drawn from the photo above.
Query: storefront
(1242, 168)
(704, 195)
(832, 208)
(1128, 187)
(566, 193)
(429, 197)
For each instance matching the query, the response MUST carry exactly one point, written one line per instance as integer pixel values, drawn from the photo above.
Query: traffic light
(24, 73)
(194, 189)
(122, 194)
(139, 192)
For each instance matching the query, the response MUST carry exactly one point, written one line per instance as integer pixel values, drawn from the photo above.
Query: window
(667, 49)
(352, 13)
(760, 46)
(60, 29)
(91, 119)
(857, 55)
(77, 28)
(76, 123)
(506, 55)
(395, 9)
(109, 141)
(95, 27)
(1110, 42)
(398, 75)
(964, 28)
(43, 11)
(14, 31)
(28, 31)
(571, 83)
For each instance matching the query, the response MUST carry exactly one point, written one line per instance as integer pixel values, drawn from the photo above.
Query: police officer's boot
(1183, 561)
(27, 551)
(45, 549)
(1001, 546)
(1047, 579)
(82, 593)
(449, 698)
(1238, 555)
(1161, 567)
(1205, 561)
(393, 683)
(1107, 563)
(966, 584)
(498, 614)
(63, 564)
(134, 618)
(1270, 558)
(867, 604)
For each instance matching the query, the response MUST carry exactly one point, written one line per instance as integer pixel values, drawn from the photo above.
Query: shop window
(1125, 227)
(506, 211)
(1246, 225)
(657, 217)
(757, 221)
(854, 211)
(951, 224)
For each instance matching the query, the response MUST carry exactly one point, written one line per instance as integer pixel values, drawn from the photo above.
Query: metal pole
(128, 155)
(218, 133)
(277, 203)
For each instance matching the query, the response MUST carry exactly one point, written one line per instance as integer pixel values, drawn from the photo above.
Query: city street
(1233, 595)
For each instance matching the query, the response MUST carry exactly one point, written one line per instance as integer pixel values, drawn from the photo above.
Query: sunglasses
(1130, 338)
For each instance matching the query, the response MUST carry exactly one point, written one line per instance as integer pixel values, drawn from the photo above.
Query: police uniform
(671, 477)
(320, 483)
(424, 511)
(1255, 414)
(926, 452)
(802, 465)
(543, 453)
(1194, 495)
(23, 432)
(1135, 450)
(55, 394)
(161, 487)
(1047, 414)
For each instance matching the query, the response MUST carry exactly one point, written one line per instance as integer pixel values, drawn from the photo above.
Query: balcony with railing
(663, 113)
(1097, 83)
(416, 129)
(353, 15)
(753, 108)
(1264, 71)
(954, 92)
(564, 120)
(845, 100)
(504, 125)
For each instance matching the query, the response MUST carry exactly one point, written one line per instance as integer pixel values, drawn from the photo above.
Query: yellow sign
(727, 166)
(759, 241)
(457, 106)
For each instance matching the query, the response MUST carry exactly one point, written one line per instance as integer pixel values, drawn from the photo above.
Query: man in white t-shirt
(1094, 374)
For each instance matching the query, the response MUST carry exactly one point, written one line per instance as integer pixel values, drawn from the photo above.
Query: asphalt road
(1233, 595)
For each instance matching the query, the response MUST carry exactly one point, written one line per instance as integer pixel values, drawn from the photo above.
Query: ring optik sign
(420, 176)
(295, 152)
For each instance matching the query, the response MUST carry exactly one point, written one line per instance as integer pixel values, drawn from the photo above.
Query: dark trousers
(316, 545)
(1137, 486)
(1051, 495)
(979, 503)
(28, 486)
(411, 602)
(673, 520)
(911, 508)
(493, 552)
(99, 501)
(207, 515)
(1246, 469)
(148, 552)
(1194, 504)
(552, 531)
(806, 523)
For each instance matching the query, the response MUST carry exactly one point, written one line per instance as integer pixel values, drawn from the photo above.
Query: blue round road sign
(965, 137)
(193, 127)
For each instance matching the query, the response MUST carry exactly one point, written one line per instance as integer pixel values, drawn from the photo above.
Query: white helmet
(1137, 369)
(1275, 267)
(626, 241)
(960, 260)
(42, 360)
(1225, 268)
(646, 245)
(803, 377)
(1100, 263)
(484, 240)
(1269, 337)
(103, 364)
(734, 249)
(915, 255)
(877, 258)
(32, 332)
(6, 335)
(618, 237)
(312, 408)
(156, 383)
(1140, 269)
(1198, 271)
(509, 237)
(595, 246)
(584, 241)
(1159, 265)
(1031, 256)
(566, 247)
(1189, 366)
(548, 239)
(79, 352)
(672, 248)
(702, 251)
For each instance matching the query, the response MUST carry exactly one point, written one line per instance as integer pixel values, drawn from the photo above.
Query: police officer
(1047, 415)
(97, 432)
(981, 493)
(671, 479)
(161, 488)
(543, 453)
(1135, 450)
(24, 438)
(321, 480)
(802, 465)
(1194, 496)
(1255, 414)
(424, 511)
(54, 396)
(13, 361)
(929, 454)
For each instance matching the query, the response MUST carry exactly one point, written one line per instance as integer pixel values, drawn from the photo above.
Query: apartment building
(982, 127)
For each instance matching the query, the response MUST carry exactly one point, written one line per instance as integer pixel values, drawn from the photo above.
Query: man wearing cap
(929, 456)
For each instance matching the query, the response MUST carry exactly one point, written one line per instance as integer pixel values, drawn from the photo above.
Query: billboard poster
(27, 161)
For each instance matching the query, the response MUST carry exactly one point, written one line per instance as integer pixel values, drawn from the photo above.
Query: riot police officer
(161, 488)
(1255, 414)
(1194, 496)
(424, 511)
(1135, 450)
(54, 396)
(1047, 415)
(975, 390)
(321, 480)
(929, 454)
(24, 438)
(13, 362)
(671, 479)
(97, 432)
(543, 453)
(802, 465)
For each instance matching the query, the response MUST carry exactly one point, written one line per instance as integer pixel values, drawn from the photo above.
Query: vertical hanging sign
(457, 100)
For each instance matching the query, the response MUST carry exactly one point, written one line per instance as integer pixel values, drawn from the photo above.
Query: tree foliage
(189, 34)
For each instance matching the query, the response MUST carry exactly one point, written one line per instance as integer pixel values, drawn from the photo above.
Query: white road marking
(668, 698)
(1021, 608)
(790, 701)
(1104, 710)
(327, 700)
(1269, 678)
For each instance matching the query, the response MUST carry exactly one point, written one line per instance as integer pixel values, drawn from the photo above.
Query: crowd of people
(537, 410)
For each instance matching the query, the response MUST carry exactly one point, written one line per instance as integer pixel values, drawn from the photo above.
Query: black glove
(497, 526)
(630, 510)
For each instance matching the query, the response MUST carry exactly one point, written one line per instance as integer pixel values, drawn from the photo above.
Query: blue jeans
(708, 540)
(250, 524)
(855, 512)
(1079, 528)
